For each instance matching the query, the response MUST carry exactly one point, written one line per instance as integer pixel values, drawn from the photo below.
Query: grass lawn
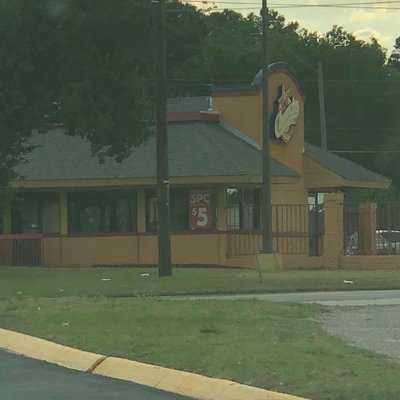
(128, 282)
(275, 346)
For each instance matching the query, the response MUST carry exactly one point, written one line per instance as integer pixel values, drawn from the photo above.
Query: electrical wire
(259, 3)
(378, 5)
(364, 151)
(280, 7)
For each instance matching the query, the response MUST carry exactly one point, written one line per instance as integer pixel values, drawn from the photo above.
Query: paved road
(26, 379)
(344, 298)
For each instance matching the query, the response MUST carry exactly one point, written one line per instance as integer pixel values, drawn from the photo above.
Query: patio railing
(21, 250)
(297, 229)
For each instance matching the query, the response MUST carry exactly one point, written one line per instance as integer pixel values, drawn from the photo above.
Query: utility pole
(322, 110)
(164, 243)
(266, 152)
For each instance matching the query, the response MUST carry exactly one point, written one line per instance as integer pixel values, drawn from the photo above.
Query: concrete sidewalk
(342, 298)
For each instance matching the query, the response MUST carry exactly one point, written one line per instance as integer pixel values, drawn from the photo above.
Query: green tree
(394, 60)
(90, 67)
(86, 65)
(388, 162)
(75, 63)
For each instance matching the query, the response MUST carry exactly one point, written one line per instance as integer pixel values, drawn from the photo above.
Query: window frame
(82, 200)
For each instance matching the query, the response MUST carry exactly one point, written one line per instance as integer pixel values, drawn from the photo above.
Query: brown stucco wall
(199, 249)
(203, 249)
(287, 262)
(294, 193)
(87, 251)
(370, 262)
(334, 229)
(243, 110)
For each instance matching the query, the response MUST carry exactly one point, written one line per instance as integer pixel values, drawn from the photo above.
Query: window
(202, 209)
(179, 210)
(102, 212)
(180, 219)
(50, 213)
(243, 209)
(35, 213)
(151, 212)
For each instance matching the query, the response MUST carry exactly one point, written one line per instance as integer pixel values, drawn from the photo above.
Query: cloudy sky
(384, 25)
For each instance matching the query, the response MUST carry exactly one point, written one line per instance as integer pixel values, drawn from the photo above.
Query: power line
(213, 10)
(354, 129)
(378, 5)
(364, 151)
(257, 4)
(243, 81)
(280, 7)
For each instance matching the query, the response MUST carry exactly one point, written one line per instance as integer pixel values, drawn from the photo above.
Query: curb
(44, 350)
(180, 382)
(184, 383)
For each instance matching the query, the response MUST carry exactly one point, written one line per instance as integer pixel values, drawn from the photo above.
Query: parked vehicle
(387, 242)
(391, 241)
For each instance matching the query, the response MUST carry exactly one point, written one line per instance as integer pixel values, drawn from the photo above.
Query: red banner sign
(200, 213)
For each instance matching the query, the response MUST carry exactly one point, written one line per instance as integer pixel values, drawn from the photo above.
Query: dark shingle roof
(341, 166)
(195, 149)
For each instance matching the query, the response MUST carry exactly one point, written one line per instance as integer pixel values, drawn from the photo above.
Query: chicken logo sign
(200, 210)
(287, 114)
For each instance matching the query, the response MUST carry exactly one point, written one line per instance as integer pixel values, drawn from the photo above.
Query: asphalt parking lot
(376, 328)
(23, 378)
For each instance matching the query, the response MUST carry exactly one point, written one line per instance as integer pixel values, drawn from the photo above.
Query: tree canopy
(89, 67)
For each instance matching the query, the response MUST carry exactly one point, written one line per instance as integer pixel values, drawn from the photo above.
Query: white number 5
(202, 216)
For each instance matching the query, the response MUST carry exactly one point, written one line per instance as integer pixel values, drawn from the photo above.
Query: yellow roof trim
(194, 180)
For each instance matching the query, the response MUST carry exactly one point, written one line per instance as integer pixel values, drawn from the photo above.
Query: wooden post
(266, 152)
(141, 211)
(164, 241)
(322, 105)
(64, 213)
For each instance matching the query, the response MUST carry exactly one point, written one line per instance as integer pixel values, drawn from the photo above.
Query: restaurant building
(71, 210)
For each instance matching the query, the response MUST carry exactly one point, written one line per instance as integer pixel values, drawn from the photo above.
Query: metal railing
(20, 251)
(297, 229)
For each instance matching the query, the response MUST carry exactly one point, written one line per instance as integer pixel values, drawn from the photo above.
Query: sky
(384, 25)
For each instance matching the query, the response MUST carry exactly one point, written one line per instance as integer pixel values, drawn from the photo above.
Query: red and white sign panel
(200, 212)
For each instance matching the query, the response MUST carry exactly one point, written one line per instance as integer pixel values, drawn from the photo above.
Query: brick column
(367, 228)
(333, 238)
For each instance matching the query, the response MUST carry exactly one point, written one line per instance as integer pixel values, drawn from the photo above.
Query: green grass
(61, 282)
(275, 346)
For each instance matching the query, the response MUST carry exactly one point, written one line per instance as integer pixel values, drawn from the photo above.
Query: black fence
(20, 251)
(297, 229)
